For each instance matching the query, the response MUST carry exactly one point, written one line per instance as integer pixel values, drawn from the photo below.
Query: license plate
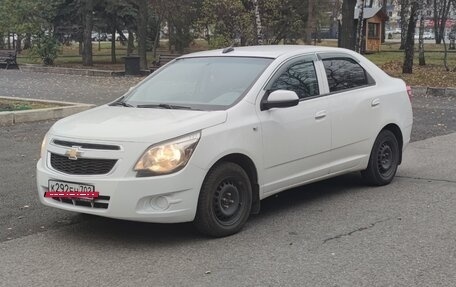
(58, 188)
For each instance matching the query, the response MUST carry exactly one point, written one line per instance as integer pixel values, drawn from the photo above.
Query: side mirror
(280, 99)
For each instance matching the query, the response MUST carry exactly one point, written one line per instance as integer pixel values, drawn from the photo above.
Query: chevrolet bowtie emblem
(73, 153)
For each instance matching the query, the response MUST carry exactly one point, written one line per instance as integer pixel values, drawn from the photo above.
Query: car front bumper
(161, 199)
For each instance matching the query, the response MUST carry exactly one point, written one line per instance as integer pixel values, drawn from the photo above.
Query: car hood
(151, 125)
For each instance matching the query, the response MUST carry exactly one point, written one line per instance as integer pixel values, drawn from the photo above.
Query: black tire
(383, 161)
(225, 201)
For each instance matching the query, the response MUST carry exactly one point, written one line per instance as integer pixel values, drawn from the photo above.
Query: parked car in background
(210, 134)
(428, 36)
(117, 36)
(96, 36)
(125, 34)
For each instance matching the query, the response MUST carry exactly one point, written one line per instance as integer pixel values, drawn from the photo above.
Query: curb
(436, 92)
(65, 109)
(70, 71)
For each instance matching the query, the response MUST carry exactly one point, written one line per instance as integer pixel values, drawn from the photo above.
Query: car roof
(264, 51)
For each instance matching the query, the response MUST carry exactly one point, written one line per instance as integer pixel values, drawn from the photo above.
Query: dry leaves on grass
(429, 75)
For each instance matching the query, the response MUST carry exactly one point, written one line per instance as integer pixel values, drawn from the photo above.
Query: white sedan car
(209, 135)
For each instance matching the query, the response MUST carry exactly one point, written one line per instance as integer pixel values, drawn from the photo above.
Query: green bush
(46, 47)
(219, 41)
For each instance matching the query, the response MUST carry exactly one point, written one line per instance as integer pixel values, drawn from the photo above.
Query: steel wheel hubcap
(385, 159)
(227, 202)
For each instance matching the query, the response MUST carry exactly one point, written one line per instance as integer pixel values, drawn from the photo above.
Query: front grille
(86, 145)
(101, 202)
(81, 166)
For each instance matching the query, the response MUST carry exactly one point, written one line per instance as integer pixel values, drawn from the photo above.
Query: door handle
(320, 115)
(375, 102)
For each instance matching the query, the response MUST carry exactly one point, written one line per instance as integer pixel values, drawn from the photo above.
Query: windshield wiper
(165, 106)
(120, 103)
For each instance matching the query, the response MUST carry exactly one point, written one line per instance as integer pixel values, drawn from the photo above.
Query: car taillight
(409, 92)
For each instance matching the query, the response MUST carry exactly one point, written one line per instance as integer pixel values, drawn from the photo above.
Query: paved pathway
(72, 88)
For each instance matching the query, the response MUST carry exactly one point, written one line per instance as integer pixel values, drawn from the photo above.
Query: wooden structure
(372, 28)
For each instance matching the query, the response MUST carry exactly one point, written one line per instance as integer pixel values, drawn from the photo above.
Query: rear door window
(344, 74)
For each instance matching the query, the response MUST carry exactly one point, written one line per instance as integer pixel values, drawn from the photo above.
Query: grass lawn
(390, 60)
(7, 105)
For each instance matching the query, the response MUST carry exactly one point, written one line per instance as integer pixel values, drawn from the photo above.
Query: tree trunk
(405, 5)
(19, 44)
(359, 29)
(170, 37)
(142, 33)
(384, 4)
(113, 45)
(347, 37)
(410, 41)
(8, 36)
(88, 27)
(80, 47)
(28, 41)
(157, 39)
(2, 41)
(310, 21)
(443, 19)
(259, 27)
(131, 42)
(422, 60)
(445, 57)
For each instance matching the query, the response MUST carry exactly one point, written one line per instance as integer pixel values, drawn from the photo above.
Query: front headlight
(43, 147)
(167, 157)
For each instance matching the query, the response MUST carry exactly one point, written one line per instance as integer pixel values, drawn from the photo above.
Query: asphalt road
(334, 233)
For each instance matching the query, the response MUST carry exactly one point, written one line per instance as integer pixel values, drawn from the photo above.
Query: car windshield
(210, 83)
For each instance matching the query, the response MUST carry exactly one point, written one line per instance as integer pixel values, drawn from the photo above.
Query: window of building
(373, 30)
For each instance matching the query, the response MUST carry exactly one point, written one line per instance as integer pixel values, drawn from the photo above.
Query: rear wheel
(225, 200)
(383, 161)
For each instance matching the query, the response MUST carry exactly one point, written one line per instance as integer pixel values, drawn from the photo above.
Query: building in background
(372, 28)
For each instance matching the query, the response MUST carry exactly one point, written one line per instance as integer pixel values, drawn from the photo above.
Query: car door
(355, 109)
(296, 140)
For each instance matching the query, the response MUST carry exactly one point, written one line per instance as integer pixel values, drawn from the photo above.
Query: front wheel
(383, 161)
(225, 200)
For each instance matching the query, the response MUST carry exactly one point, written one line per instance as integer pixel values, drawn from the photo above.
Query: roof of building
(370, 12)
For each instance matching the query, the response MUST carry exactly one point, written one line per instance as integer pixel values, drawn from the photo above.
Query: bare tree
(384, 4)
(359, 29)
(405, 7)
(407, 68)
(142, 33)
(88, 27)
(310, 21)
(259, 27)
(422, 59)
(441, 11)
(346, 35)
